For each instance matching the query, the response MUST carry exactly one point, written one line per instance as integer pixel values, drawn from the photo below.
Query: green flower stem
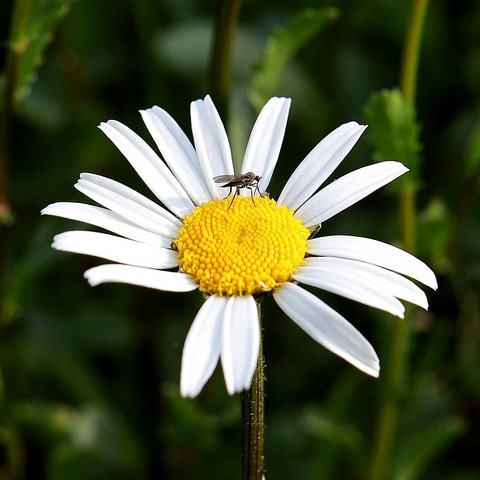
(411, 52)
(394, 381)
(392, 393)
(253, 423)
(220, 68)
(407, 200)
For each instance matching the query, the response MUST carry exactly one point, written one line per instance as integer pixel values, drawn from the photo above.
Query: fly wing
(225, 178)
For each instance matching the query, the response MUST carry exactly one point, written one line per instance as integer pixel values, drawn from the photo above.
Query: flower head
(238, 248)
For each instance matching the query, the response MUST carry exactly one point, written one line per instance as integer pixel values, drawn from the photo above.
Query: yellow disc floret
(241, 249)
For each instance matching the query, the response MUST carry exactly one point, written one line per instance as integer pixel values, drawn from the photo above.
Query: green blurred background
(90, 375)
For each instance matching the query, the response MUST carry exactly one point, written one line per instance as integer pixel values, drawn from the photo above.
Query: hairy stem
(253, 423)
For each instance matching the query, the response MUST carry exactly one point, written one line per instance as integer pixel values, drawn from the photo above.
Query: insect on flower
(247, 180)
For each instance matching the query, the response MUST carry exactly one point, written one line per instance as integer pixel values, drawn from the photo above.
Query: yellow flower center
(241, 250)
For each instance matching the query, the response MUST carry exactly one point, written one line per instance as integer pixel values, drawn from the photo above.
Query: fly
(247, 180)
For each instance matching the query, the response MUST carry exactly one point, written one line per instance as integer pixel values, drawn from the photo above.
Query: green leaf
(394, 133)
(33, 23)
(282, 45)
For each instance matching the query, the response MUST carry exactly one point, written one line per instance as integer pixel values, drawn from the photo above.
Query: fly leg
(234, 195)
(252, 191)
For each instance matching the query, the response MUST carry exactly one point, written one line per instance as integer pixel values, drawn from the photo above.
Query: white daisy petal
(129, 204)
(142, 277)
(266, 140)
(178, 152)
(375, 252)
(319, 164)
(129, 194)
(221, 134)
(106, 219)
(360, 293)
(116, 249)
(227, 325)
(347, 190)
(211, 143)
(149, 167)
(365, 294)
(327, 327)
(202, 346)
(240, 343)
(362, 282)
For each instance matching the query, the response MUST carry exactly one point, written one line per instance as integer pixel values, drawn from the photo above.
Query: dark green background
(91, 374)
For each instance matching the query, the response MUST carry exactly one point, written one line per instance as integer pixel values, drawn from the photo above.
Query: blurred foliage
(90, 376)
(281, 47)
(31, 30)
(394, 132)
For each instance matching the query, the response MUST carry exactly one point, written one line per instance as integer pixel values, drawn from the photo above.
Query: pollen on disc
(241, 248)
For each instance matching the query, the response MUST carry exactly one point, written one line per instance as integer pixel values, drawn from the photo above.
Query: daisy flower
(235, 250)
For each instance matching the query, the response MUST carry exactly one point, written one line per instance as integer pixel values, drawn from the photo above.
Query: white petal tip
(92, 280)
(233, 391)
(242, 386)
(188, 393)
(57, 242)
(372, 370)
